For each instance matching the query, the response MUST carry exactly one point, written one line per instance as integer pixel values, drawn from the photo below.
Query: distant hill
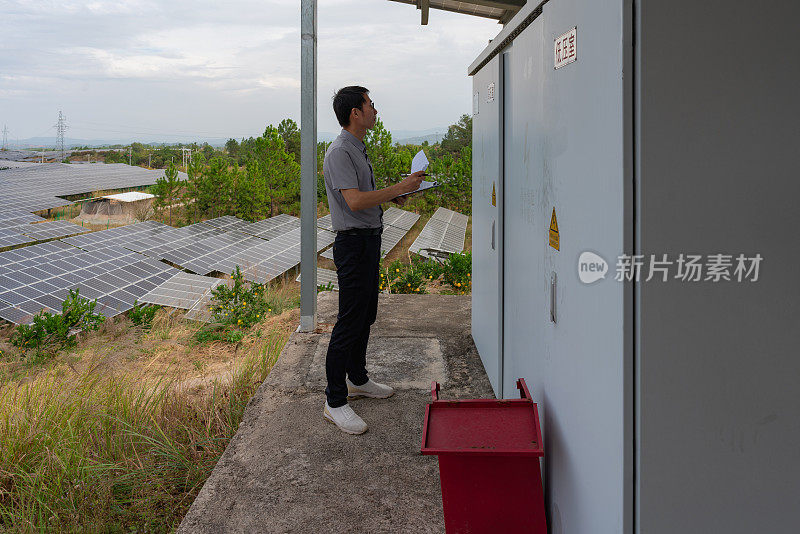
(431, 139)
(432, 135)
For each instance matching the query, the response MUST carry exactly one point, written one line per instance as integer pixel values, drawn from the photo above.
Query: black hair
(345, 100)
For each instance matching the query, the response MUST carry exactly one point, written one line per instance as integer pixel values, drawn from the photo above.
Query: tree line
(259, 177)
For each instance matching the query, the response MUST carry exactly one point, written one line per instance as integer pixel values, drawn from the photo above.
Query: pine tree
(167, 189)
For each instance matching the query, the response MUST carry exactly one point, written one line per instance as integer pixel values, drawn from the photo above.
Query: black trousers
(357, 259)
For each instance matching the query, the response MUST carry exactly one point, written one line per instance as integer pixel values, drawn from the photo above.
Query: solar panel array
(51, 230)
(158, 242)
(203, 256)
(120, 265)
(40, 277)
(444, 232)
(9, 238)
(10, 218)
(29, 187)
(325, 222)
(182, 290)
(325, 277)
(112, 237)
(228, 223)
(37, 187)
(274, 226)
(268, 260)
(396, 224)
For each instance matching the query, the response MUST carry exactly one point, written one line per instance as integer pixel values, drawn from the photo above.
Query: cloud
(227, 66)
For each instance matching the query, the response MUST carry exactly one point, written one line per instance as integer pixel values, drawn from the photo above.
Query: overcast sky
(164, 68)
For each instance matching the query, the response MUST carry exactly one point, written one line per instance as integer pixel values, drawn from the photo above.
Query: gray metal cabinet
(666, 406)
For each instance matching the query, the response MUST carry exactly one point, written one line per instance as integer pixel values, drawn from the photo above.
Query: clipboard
(424, 186)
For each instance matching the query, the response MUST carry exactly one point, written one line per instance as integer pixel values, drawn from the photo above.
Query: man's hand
(400, 201)
(411, 182)
(359, 200)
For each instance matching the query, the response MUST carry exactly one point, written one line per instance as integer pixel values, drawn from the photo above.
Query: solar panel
(325, 222)
(201, 256)
(114, 236)
(396, 224)
(39, 277)
(228, 223)
(268, 260)
(182, 290)
(51, 230)
(37, 187)
(325, 277)
(398, 218)
(274, 226)
(11, 238)
(444, 232)
(160, 241)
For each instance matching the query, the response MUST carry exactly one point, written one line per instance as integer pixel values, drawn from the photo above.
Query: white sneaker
(345, 418)
(370, 389)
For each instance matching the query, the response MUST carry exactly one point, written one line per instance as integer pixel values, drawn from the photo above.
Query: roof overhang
(500, 10)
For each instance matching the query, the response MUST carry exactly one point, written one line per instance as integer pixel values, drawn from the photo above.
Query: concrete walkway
(289, 470)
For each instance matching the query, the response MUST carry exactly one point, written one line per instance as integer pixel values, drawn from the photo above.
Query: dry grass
(122, 432)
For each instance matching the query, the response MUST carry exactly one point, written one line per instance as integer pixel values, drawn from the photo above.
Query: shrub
(143, 315)
(410, 281)
(457, 272)
(50, 332)
(395, 270)
(238, 306)
(428, 268)
(325, 287)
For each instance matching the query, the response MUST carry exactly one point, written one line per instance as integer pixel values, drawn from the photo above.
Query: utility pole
(308, 165)
(61, 128)
(130, 154)
(5, 137)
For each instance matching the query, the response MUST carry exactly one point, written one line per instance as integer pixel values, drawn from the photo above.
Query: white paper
(419, 163)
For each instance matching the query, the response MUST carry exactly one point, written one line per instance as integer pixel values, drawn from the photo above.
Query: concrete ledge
(289, 470)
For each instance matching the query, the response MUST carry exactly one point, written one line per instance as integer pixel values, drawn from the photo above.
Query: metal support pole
(308, 165)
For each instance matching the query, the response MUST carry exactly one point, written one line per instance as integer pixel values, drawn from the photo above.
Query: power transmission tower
(5, 137)
(186, 153)
(61, 128)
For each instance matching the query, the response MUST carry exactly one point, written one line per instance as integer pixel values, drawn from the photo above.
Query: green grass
(90, 452)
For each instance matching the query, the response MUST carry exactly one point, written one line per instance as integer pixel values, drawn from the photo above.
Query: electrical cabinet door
(487, 220)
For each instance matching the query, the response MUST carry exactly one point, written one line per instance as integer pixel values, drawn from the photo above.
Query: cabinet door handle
(493, 235)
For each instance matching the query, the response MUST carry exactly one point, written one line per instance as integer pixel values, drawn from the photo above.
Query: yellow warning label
(555, 239)
(494, 196)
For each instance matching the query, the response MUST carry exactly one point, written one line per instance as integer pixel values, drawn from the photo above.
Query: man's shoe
(370, 389)
(345, 418)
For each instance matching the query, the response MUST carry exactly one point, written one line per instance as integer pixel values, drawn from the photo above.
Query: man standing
(357, 218)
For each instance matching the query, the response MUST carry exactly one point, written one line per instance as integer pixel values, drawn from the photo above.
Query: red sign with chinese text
(566, 48)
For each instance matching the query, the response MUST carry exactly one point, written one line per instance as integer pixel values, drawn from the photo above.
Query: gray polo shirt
(347, 166)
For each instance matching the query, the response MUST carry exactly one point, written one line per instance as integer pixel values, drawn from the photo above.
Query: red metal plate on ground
(482, 427)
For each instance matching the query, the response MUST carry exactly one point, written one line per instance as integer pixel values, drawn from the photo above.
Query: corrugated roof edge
(521, 20)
